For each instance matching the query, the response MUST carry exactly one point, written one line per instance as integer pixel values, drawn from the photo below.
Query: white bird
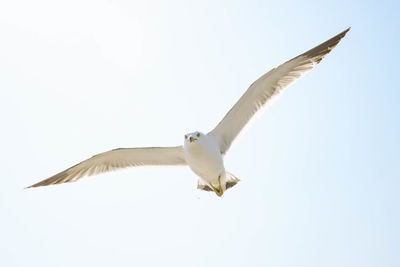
(204, 152)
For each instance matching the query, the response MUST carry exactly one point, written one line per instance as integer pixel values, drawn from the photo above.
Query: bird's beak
(191, 139)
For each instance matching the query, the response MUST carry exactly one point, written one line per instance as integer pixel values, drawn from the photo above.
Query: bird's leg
(218, 191)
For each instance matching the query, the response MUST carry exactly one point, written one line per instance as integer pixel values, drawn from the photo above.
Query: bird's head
(193, 137)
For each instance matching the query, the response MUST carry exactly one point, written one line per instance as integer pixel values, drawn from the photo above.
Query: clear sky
(319, 169)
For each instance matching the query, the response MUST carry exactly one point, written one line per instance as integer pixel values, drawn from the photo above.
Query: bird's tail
(231, 180)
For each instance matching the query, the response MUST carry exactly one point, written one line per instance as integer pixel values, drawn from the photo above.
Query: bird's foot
(218, 191)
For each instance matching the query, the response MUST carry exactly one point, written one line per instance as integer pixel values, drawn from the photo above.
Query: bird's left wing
(265, 88)
(118, 159)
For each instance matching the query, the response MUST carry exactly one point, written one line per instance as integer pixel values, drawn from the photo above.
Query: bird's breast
(204, 158)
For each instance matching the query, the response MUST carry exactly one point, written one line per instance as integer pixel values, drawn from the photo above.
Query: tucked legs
(218, 191)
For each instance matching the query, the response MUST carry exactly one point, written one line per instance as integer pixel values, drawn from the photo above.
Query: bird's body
(203, 153)
(204, 157)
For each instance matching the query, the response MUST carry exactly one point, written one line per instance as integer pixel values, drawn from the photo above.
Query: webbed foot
(218, 191)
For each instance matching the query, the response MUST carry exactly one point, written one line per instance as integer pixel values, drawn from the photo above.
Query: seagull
(204, 153)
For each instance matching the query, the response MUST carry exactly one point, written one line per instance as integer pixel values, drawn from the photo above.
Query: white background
(320, 168)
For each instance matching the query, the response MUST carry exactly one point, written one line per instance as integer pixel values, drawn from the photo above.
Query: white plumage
(204, 152)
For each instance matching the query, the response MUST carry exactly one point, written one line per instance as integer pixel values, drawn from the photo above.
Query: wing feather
(118, 159)
(265, 88)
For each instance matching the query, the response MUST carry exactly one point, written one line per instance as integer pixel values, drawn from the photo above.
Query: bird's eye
(185, 136)
(198, 134)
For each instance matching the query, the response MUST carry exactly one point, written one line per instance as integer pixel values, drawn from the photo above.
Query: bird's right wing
(118, 159)
(265, 88)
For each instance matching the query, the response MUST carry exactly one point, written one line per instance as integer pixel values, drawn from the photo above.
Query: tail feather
(231, 180)
(202, 186)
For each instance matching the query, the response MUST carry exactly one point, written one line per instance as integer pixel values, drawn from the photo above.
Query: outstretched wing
(267, 86)
(118, 159)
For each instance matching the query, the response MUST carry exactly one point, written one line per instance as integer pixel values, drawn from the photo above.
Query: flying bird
(204, 152)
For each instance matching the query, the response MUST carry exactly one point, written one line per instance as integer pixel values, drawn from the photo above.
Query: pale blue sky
(320, 169)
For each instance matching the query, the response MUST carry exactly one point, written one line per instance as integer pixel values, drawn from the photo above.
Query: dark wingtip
(317, 53)
(32, 186)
